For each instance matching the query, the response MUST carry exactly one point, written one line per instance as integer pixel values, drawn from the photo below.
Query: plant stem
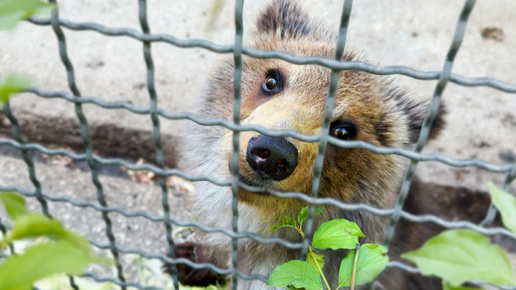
(300, 231)
(354, 271)
(311, 253)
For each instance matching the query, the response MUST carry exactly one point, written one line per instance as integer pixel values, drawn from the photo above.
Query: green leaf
(316, 260)
(34, 225)
(461, 255)
(12, 11)
(301, 217)
(13, 83)
(286, 222)
(337, 234)
(372, 260)
(14, 204)
(275, 227)
(296, 273)
(506, 204)
(25, 286)
(447, 286)
(303, 214)
(41, 261)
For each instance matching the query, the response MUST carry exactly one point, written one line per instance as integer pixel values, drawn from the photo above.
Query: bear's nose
(272, 157)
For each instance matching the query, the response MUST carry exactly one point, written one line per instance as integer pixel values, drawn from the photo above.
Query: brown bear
(283, 96)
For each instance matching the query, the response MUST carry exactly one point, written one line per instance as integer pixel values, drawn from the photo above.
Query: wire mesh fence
(238, 50)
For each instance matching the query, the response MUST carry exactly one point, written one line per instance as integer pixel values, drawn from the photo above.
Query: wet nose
(272, 157)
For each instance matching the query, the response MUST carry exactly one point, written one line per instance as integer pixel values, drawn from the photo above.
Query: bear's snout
(271, 157)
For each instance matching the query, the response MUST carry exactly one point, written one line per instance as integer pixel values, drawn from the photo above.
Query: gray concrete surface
(130, 232)
(481, 121)
(59, 181)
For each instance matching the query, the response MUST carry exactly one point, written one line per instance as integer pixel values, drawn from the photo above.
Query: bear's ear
(284, 18)
(416, 113)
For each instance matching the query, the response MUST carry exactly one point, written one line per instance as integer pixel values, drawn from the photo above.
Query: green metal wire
(32, 174)
(84, 135)
(429, 119)
(235, 156)
(30, 165)
(142, 5)
(146, 37)
(328, 113)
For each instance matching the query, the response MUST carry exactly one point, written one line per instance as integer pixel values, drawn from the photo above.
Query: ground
(481, 120)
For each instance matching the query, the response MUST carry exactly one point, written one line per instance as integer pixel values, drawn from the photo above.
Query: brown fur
(383, 114)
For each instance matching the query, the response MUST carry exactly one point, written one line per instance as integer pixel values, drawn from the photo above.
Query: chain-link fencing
(155, 112)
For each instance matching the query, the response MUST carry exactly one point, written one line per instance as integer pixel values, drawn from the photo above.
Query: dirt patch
(107, 139)
(493, 33)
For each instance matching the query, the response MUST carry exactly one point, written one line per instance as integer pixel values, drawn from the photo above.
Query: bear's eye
(273, 83)
(343, 131)
(270, 83)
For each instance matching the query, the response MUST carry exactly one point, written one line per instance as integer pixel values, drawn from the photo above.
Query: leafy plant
(12, 11)
(361, 265)
(64, 251)
(506, 204)
(458, 256)
(13, 83)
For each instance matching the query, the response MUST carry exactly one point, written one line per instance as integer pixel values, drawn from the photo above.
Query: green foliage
(289, 222)
(32, 225)
(335, 234)
(286, 222)
(12, 11)
(65, 251)
(372, 260)
(297, 273)
(447, 286)
(303, 214)
(461, 255)
(316, 260)
(13, 83)
(506, 204)
(14, 204)
(42, 260)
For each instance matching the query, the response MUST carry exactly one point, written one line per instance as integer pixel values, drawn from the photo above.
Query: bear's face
(283, 96)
